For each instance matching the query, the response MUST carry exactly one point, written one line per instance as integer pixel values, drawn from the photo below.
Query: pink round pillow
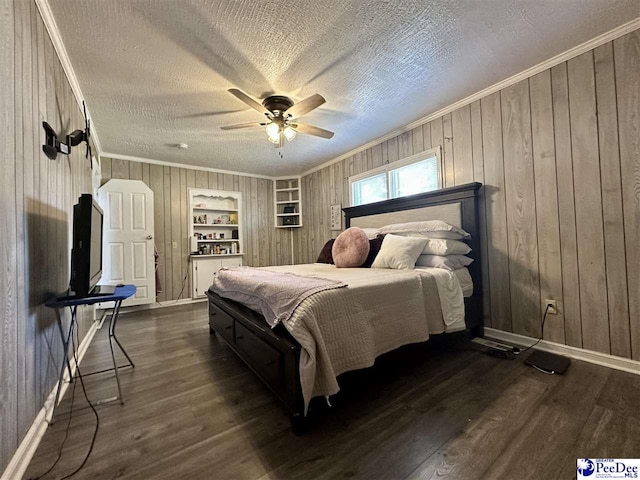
(351, 248)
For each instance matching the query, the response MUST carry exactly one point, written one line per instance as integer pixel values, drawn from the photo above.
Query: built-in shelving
(214, 214)
(288, 204)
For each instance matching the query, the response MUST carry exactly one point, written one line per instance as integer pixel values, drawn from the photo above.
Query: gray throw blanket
(275, 294)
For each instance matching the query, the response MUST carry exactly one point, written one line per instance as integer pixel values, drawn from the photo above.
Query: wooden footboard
(273, 355)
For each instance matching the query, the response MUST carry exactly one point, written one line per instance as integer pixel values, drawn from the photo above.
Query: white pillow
(399, 252)
(441, 246)
(371, 232)
(449, 262)
(429, 228)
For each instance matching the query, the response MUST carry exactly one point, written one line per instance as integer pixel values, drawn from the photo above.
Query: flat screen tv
(86, 253)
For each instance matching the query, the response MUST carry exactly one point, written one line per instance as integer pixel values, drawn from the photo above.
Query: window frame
(386, 168)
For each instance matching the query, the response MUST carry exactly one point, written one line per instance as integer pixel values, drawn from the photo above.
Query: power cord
(66, 435)
(543, 370)
(184, 282)
(95, 412)
(544, 318)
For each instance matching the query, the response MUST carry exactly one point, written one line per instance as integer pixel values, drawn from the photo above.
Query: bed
(358, 323)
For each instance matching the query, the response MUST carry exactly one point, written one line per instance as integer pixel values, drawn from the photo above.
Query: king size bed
(359, 313)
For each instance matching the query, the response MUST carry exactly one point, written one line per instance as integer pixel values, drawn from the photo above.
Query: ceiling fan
(281, 116)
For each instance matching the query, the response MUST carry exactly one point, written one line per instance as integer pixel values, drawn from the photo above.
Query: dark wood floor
(193, 410)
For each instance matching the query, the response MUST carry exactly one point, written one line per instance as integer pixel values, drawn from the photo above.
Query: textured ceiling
(155, 73)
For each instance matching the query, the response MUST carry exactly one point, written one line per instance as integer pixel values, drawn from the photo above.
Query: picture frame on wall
(336, 217)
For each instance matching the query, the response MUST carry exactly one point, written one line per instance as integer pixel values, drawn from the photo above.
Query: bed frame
(274, 355)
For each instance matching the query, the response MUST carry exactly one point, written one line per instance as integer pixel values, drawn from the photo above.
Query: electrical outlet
(175, 244)
(553, 309)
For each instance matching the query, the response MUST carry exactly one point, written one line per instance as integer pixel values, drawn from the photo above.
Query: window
(416, 174)
(370, 189)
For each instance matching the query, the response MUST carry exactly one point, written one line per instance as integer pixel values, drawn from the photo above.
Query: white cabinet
(216, 237)
(204, 270)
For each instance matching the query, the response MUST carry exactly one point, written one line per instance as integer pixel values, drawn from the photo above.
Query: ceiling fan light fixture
(274, 139)
(282, 114)
(289, 133)
(273, 131)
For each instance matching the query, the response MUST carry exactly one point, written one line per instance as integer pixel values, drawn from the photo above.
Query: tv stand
(102, 290)
(60, 302)
(98, 291)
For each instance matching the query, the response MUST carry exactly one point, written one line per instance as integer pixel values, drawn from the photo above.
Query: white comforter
(380, 310)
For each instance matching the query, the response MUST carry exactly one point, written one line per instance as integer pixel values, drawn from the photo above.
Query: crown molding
(54, 33)
(287, 177)
(131, 158)
(529, 72)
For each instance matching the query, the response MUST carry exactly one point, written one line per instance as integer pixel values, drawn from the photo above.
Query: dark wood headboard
(464, 199)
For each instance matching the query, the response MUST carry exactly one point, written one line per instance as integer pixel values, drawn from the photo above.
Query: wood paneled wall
(37, 195)
(559, 155)
(264, 244)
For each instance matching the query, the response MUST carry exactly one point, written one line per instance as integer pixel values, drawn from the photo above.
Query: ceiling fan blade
(210, 114)
(240, 95)
(311, 130)
(305, 106)
(242, 125)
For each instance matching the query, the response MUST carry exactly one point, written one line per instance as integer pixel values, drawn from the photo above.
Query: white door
(127, 246)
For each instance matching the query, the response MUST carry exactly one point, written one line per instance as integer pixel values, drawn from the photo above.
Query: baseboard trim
(611, 361)
(171, 303)
(27, 448)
